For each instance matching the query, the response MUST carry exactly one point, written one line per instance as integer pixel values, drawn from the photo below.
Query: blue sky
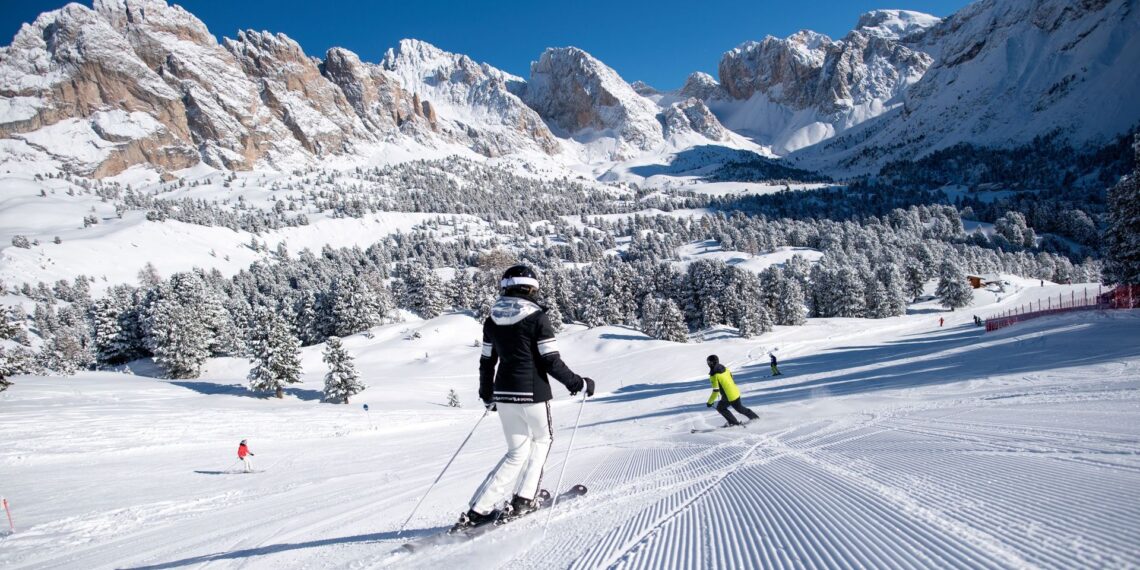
(659, 42)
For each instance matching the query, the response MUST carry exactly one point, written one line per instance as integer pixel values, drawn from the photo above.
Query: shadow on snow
(211, 388)
(954, 355)
(276, 548)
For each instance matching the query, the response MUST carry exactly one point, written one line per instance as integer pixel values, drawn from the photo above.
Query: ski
(545, 500)
(707, 430)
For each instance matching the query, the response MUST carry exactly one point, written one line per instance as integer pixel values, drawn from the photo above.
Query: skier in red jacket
(244, 455)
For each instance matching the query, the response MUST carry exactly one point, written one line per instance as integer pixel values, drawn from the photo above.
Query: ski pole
(565, 462)
(10, 525)
(445, 467)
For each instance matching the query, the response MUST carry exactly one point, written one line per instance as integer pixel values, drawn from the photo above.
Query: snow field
(887, 443)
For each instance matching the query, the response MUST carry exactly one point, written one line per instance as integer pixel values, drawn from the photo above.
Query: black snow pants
(723, 404)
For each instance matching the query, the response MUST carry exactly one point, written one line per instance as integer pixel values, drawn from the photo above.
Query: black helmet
(520, 276)
(712, 360)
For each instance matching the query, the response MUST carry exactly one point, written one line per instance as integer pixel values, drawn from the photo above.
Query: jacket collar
(510, 310)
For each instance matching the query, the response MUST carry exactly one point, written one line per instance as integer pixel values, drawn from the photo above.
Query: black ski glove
(708, 404)
(490, 406)
(586, 383)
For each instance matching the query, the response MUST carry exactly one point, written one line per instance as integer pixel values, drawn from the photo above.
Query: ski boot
(519, 508)
(472, 519)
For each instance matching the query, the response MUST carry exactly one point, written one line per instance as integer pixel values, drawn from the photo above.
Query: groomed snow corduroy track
(885, 445)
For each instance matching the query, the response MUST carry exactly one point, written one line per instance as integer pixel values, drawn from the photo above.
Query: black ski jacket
(519, 338)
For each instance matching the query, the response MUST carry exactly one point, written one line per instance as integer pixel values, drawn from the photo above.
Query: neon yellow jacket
(722, 381)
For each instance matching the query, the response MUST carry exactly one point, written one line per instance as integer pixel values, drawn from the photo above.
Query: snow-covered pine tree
(276, 356)
(915, 279)
(770, 281)
(462, 290)
(671, 322)
(453, 399)
(878, 306)
(10, 365)
(341, 381)
(111, 343)
(790, 308)
(178, 338)
(594, 307)
(555, 316)
(893, 284)
(355, 307)
(953, 288)
(423, 291)
(1122, 236)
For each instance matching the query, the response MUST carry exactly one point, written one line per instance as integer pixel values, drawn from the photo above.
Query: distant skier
(772, 357)
(519, 339)
(940, 321)
(244, 455)
(725, 388)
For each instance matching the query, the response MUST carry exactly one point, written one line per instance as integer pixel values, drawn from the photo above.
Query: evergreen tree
(178, 339)
(111, 344)
(356, 307)
(423, 290)
(790, 308)
(671, 322)
(15, 361)
(893, 284)
(276, 356)
(915, 279)
(341, 381)
(1122, 236)
(461, 290)
(953, 288)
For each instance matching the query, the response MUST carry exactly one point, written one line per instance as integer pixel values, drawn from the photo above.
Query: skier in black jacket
(518, 340)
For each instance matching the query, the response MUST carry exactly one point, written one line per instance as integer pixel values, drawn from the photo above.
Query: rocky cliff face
(255, 98)
(484, 112)
(582, 98)
(692, 115)
(801, 89)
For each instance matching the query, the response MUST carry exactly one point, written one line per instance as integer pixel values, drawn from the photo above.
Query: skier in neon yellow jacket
(724, 388)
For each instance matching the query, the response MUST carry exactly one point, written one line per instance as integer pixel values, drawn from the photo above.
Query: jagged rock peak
(895, 24)
(693, 115)
(644, 89)
(702, 86)
(574, 92)
(156, 16)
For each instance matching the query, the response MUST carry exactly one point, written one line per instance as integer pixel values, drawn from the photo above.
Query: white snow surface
(889, 443)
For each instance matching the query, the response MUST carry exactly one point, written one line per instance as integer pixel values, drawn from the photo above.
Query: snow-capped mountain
(584, 99)
(1005, 72)
(475, 97)
(140, 81)
(797, 91)
(97, 90)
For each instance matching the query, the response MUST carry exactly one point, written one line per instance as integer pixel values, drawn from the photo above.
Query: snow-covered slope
(1005, 72)
(887, 443)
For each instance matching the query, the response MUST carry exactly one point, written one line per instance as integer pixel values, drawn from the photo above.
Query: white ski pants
(529, 434)
(248, 463)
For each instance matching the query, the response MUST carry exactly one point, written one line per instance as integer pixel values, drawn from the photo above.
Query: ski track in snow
(871, 455)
